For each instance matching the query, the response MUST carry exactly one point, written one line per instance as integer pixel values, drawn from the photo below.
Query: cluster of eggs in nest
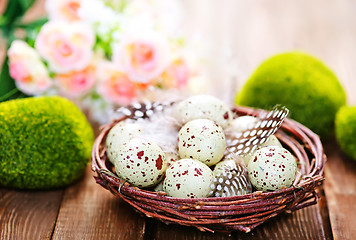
(215, 154)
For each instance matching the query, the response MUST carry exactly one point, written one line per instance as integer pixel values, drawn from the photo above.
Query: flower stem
(9, 94)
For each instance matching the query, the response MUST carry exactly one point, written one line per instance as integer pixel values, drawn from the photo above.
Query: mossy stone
(45, 143)
(345, 129)
(303, 84)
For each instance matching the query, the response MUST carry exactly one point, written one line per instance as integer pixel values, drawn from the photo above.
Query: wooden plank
(340, 190)
(158, 230)
(306, 223)
(28, 214)
(90, 212)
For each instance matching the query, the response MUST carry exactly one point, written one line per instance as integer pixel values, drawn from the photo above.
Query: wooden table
(252, 30)
(87, 211)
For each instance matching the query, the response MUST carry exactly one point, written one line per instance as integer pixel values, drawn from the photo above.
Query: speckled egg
(188, 178)
(271, 141)
(203, 106)
(203, 140)
(242, 123)
(272, 168)
(120, 133)
(140, 162)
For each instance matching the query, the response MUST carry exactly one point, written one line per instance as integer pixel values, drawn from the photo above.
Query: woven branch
(225, 214)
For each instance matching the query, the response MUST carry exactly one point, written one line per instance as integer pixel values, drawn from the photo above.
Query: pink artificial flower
(76, 83)
(18, 71)
(66, 47)
(63, 9)
(142, 58)
(26, 68)
(176, 75)
(114, 86)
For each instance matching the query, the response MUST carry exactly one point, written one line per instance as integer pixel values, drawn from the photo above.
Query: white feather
(161, 128)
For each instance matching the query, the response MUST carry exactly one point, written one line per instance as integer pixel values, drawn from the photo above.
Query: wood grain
(90, 212)
(28, 214)
(158, 230)
(303, 224)
(340, 191)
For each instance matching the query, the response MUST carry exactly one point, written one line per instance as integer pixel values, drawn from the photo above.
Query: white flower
(114, 86)
(95, 11)
(143, 57)
(26, 68)
(66, 10)
(66, 47)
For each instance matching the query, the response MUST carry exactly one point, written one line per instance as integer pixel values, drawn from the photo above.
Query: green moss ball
(345, 129)
(300, 82)
(45, 143)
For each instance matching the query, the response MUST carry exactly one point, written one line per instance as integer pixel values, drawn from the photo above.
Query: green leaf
(9, 16)
(34, 24)
(8, 88)
(9, 95)
(25, 4)
(6, 83)
(14, 11)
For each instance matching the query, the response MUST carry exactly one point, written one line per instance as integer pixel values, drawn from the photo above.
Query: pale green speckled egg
(203, 106)
(272, 168)
(188, 178)
(140, 162)
(119, 134)
(203, 140)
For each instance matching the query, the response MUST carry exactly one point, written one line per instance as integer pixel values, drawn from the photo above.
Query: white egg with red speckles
(120, 133)
(272, 168)
(203, 140)
(140, 162)
(271, 141)
(242, 123)
(188, 178)
(203, 106)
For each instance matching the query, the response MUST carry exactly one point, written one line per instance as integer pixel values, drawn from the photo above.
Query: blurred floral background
(103, 54)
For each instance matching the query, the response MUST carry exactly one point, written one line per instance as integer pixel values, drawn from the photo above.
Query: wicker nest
(225, 214)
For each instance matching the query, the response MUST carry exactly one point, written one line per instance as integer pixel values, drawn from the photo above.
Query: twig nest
(203, 140)
(140, 162)
(203, 106)
(119, 134)
(188, 178)
(272, 168)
